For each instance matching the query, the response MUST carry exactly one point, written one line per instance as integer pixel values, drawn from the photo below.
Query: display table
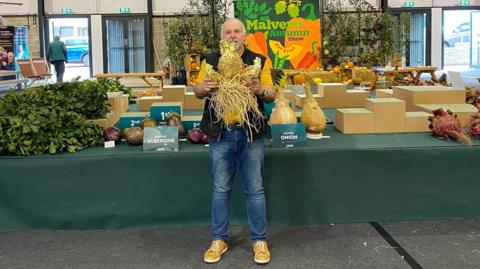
(343, 179)
(143, 76)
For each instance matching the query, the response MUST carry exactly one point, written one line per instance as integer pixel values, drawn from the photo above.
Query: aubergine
(174, 119)
(112, 134)
(134, 136)
(148, 122)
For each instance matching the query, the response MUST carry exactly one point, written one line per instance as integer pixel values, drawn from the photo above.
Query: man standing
(234, 145)
(57, 55)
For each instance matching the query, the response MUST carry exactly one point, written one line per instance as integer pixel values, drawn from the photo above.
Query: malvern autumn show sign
(286, 32)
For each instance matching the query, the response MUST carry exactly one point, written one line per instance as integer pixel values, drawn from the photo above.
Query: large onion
(312, 115)
(282, 113)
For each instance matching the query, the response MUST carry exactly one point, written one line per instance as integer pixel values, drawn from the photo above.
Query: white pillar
(97, 44)
(436, 55)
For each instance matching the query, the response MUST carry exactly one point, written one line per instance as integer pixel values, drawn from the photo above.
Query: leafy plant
(114, 85)
(51, 118)
(358, 32)
(196, 30)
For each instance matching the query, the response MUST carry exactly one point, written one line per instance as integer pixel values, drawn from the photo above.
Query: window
(82, 31)
(66, 31)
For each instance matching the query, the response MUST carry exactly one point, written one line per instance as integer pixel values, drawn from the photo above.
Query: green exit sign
(464, 2)
(66, 11)
(409, 4)
(124, 10)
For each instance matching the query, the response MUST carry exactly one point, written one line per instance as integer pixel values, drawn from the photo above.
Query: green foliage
(51, 118)
(196, 29)
(250, 9)
(280, 7)
(114, 85)
(363, 35)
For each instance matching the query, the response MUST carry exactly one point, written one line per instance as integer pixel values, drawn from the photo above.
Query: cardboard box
(192, 102)
(160, 111)
(413, 95)
(334, 95)
(115, 102)
(300, 99)
(356, 98)
(109, 121)
(389, 114)
(131, 119)
(125, 102)
(354, 120)
(174, 93)
(417, 121)
(384, 93)
(191, 121)
(463, 111)
(145, 102)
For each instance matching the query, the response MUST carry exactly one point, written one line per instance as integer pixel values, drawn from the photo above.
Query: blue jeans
(225, 154)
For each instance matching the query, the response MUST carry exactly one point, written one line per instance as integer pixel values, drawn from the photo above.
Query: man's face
(233, 31)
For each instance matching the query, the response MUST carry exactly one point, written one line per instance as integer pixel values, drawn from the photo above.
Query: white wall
(418, 3)
(168, 7)
(28, 7)
(97, 44)
(437, 37)
(431, 3)
(94, 6)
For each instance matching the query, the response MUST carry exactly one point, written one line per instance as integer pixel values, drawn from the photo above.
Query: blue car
(77, 51)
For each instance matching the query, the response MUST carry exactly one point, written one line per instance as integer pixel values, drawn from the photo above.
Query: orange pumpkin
(298, 79)
(336, 69)
(194, 65)
(350, 64)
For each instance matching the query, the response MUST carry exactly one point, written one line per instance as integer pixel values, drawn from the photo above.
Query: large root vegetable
(233, 99)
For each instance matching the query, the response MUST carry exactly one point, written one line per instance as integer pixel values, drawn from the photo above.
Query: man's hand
(205, 88)
(254, 85)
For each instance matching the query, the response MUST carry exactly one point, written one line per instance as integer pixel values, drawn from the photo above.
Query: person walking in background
(232, 145)
(57, 55)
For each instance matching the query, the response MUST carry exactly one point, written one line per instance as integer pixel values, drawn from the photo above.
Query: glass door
(475, 44)
(417, 51)
(125, 44)
(418, 35)
(74, 32)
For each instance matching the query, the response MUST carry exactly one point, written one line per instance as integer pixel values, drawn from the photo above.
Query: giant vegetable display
(234, 99)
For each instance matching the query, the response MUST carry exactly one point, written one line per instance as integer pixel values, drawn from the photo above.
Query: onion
(197, 136)
(282, 113)
(112, 134)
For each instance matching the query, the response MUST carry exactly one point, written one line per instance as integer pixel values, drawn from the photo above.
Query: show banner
(286, 32)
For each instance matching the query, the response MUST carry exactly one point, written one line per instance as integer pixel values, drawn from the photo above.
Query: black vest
(210, 123)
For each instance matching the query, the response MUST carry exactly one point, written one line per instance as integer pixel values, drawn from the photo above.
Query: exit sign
(464, 2)
(409, 4)
(124, 10)
(66, 11)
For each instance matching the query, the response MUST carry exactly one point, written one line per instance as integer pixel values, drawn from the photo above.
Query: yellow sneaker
(261, 252)
(214, 253)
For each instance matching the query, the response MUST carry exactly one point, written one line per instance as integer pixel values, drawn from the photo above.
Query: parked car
(78, 51)
(461, 33)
